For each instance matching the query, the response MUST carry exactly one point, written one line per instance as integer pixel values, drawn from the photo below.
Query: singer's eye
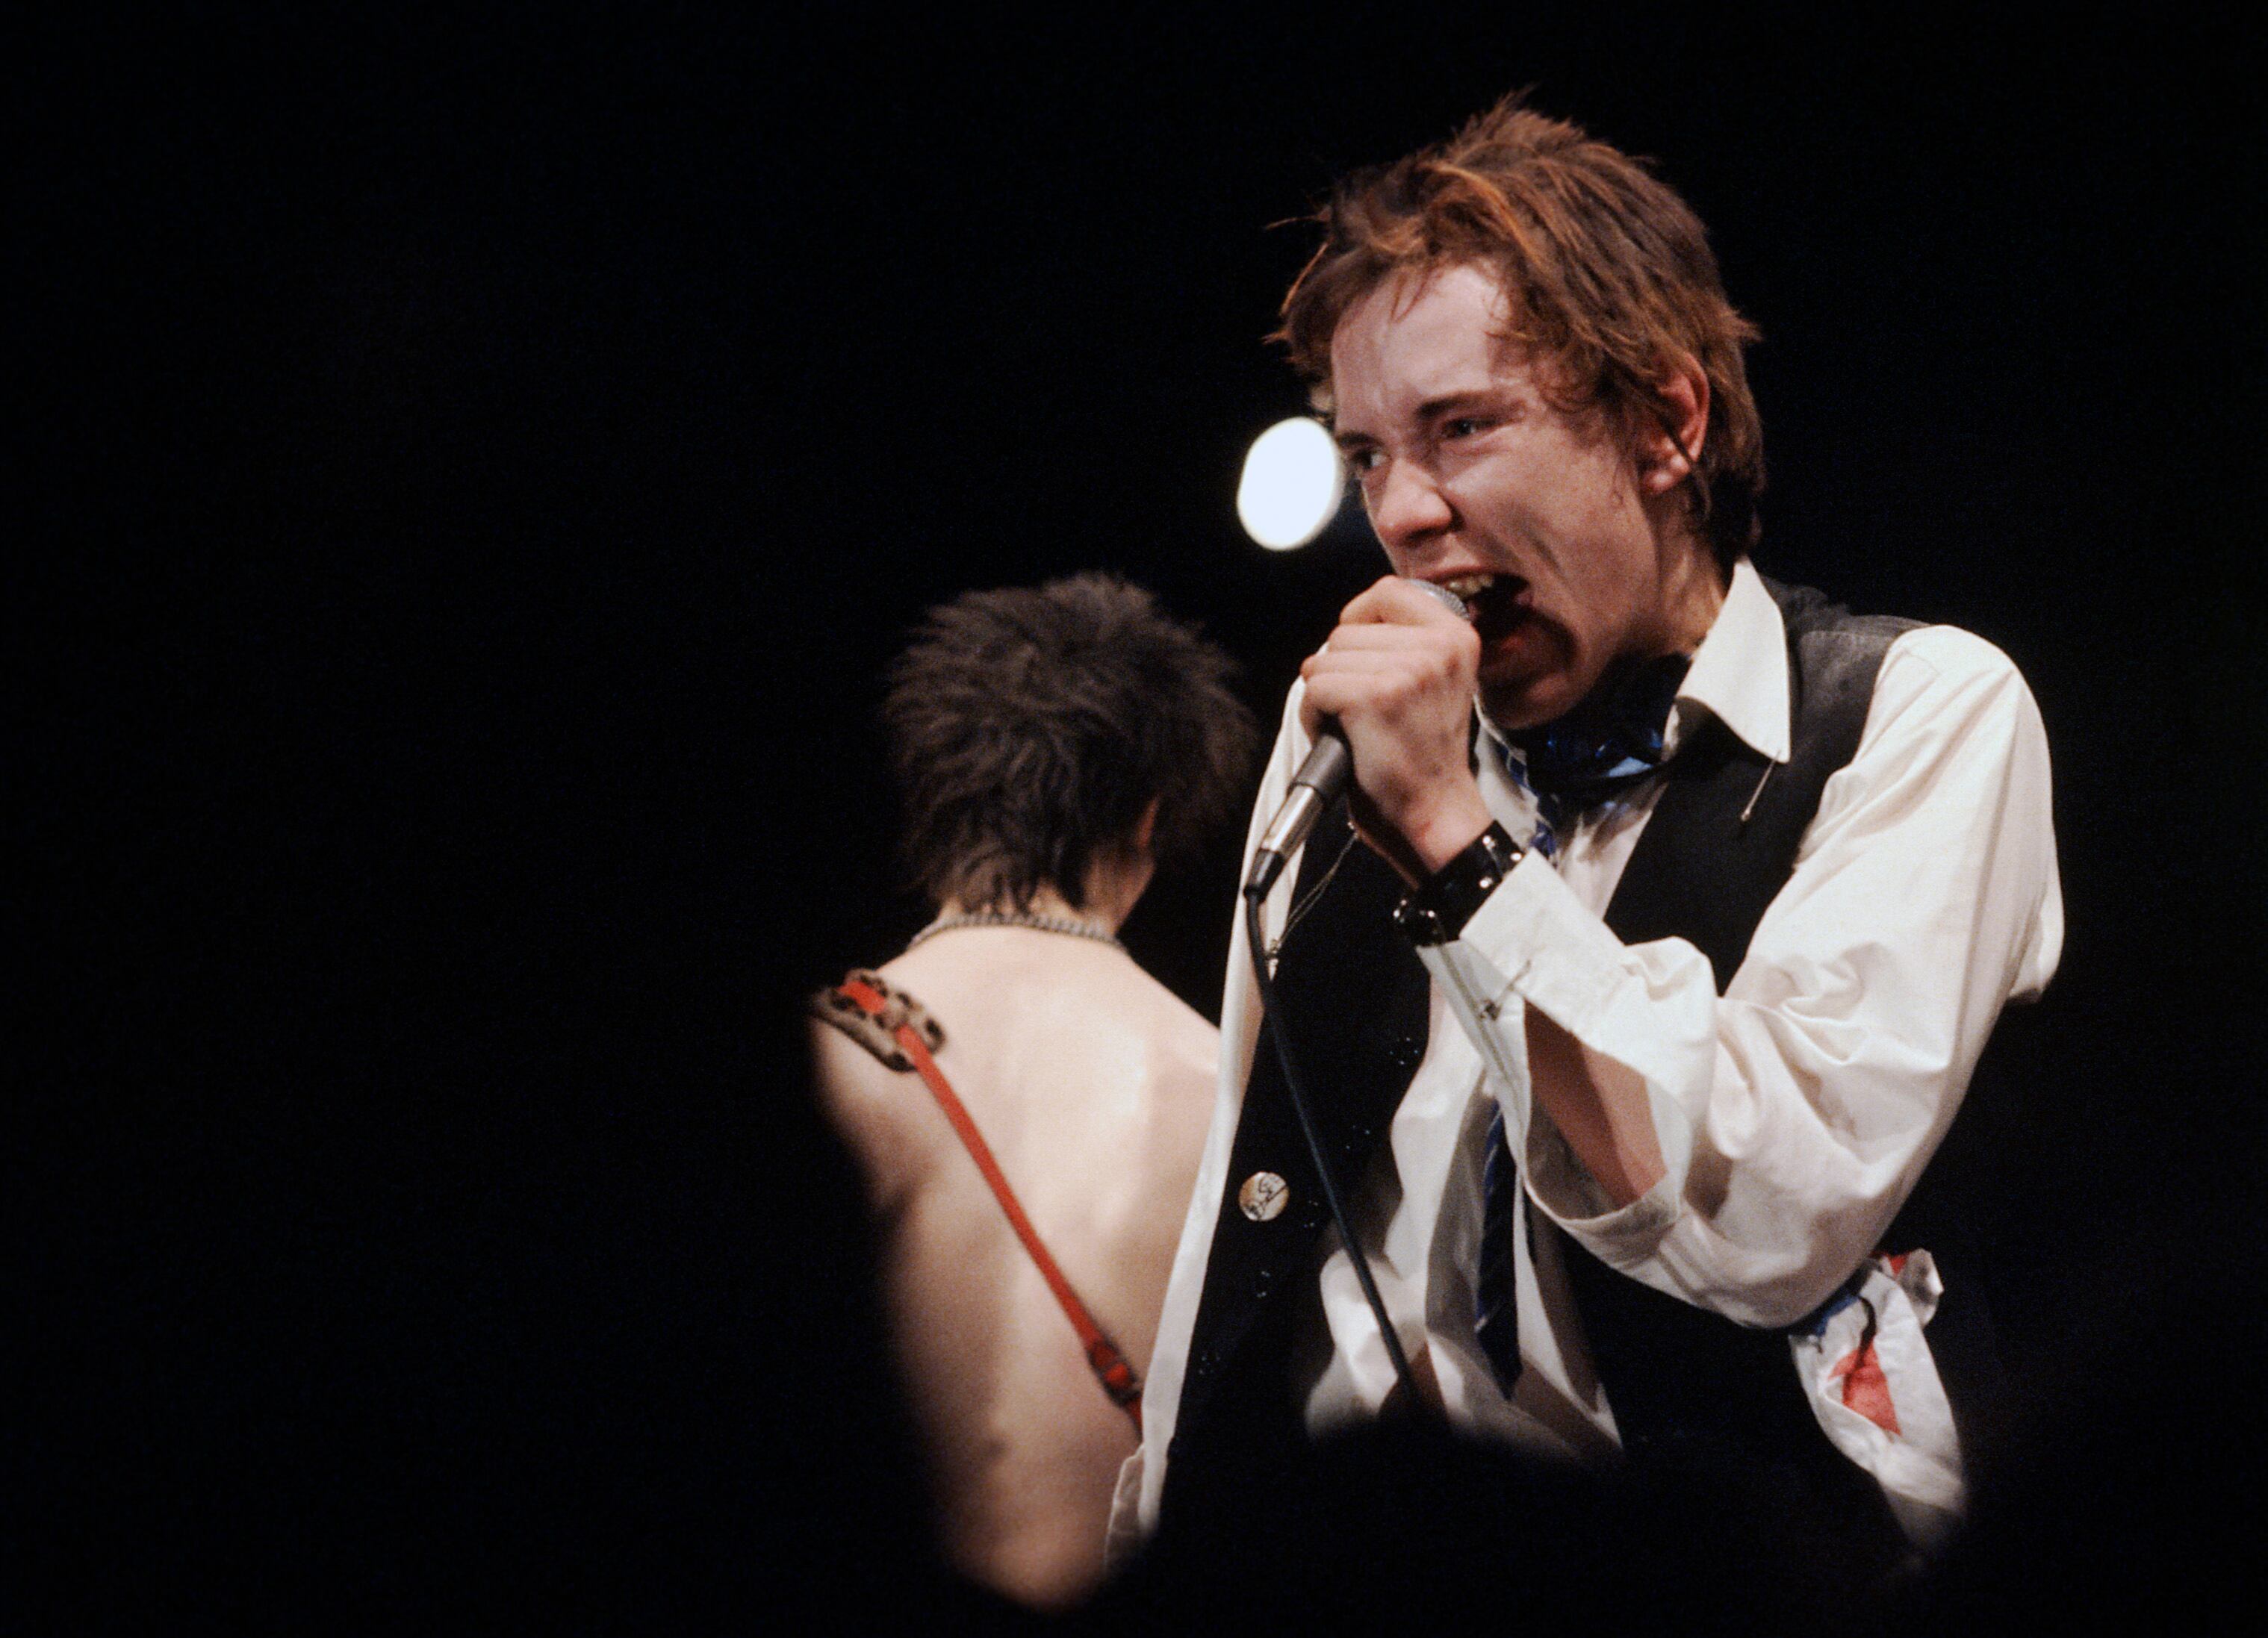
(1463, 426)
(1361, 462)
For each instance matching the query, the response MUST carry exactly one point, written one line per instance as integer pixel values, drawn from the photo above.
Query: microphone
(1322, 777)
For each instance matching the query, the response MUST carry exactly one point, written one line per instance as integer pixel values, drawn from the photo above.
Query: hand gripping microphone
(1318, 780)
(1321, 777)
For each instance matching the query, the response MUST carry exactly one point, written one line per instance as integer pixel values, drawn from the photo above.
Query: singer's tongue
(1517, 644)
(1499, 606)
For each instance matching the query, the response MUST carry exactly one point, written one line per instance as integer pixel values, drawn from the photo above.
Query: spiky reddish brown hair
(1608, 275)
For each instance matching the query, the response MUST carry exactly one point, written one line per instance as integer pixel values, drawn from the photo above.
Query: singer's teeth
(1468, 586)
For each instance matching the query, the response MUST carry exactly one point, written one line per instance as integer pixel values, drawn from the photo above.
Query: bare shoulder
(1183, 1023)
(873, 1109)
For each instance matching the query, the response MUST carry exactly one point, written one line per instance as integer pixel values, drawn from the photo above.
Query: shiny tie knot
(1611, 740)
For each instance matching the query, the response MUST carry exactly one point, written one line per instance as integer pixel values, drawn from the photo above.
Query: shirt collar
(1740, 671)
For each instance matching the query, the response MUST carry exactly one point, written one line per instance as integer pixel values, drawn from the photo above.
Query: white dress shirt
(1795, 1112)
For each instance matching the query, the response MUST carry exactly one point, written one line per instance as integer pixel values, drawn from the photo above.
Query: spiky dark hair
(1030, 728)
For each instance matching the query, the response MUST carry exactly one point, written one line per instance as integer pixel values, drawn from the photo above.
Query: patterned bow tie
(1611, 740)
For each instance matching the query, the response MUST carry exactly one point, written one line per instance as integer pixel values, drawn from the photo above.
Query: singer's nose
(1407, 506)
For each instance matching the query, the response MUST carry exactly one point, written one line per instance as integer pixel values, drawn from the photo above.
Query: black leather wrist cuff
(1436, 910)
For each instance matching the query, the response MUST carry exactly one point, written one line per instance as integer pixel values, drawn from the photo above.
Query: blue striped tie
(1496, 1313)
(1609, 742)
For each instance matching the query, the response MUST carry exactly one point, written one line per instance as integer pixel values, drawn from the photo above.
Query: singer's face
(1472, 477)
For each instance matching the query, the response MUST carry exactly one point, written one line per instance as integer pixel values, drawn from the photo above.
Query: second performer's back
(1091, 1084)
(1050, 745)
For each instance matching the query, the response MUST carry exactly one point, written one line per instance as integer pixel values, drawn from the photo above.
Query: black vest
(1353, 998)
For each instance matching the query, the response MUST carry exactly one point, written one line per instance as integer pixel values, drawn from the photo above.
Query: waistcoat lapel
(1717, 848)
(1353, 998)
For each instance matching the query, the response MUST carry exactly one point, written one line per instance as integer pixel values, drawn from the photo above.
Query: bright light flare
(1291, 484)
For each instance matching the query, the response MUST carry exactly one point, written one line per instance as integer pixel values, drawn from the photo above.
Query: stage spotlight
(1291, 484)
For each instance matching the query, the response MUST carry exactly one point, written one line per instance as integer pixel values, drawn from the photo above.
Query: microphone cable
(1255, 893)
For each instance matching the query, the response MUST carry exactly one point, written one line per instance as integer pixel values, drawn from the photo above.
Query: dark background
(480, 469)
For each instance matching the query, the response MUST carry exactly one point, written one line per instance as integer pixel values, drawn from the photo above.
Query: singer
(1051, 747)
(1639, 977)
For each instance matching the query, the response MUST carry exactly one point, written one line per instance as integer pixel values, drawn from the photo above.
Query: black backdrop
(480, 467)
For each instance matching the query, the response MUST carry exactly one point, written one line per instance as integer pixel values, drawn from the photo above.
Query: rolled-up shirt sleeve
(1796, 1110)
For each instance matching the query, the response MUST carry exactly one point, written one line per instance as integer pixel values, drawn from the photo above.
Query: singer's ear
(1120, 873)
(1667, 448)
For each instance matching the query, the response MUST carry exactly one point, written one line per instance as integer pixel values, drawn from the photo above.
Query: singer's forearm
(1600, 1106)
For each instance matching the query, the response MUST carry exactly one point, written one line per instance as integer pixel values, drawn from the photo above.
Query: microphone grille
(1449, 600)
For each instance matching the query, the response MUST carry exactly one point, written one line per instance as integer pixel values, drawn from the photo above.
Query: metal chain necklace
(1018, 918)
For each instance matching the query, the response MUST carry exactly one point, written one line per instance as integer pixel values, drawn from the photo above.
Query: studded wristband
(1436, 910)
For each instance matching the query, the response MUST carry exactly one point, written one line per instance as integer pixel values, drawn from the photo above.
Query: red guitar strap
(1110, 1367)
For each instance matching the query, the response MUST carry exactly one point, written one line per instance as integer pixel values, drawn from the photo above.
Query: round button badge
(1264, 1195)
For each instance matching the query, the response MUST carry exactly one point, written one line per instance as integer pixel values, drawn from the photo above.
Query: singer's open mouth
(1498, 602)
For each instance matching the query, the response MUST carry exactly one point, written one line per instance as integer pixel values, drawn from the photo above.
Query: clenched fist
(1398, 674)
